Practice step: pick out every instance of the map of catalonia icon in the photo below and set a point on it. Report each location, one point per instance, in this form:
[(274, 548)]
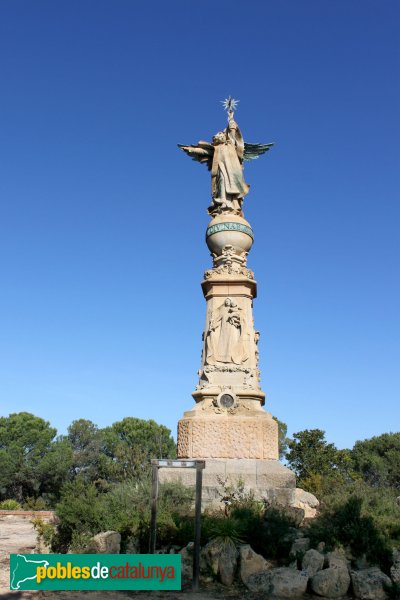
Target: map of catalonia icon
[(23, 570)]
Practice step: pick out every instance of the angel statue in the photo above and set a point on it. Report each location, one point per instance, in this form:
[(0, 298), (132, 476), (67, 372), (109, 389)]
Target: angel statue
[(224, 158)]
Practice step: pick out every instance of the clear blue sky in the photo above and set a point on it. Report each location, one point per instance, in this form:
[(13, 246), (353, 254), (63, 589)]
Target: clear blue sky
[(102, 218)]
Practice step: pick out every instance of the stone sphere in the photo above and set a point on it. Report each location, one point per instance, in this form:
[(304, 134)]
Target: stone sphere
[(227, 229)]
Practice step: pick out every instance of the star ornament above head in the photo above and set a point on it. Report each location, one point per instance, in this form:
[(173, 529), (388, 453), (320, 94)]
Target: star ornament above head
[(230, 104)]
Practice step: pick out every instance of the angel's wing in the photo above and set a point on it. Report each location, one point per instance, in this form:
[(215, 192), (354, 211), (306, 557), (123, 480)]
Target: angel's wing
[(252, 151), (201, 153)]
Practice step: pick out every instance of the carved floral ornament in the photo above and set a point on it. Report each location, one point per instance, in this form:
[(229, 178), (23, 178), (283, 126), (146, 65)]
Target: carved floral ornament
[(226, 270), (229, 263)]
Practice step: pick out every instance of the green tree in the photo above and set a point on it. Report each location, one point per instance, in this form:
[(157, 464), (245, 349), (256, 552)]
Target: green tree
[(132, 443), (283, 440), (89, 458), (378, 460), (26, 447), (54, 469), (316, 463)]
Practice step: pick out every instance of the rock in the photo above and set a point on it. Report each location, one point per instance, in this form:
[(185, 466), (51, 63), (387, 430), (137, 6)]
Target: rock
[(313, 561), (395, 569), (255, 571), (259, 582), (222, 560), (296, 514), (211, 553), (308, 502), (336, 559), (361, 563), (107, 542), (299, 547), (187, 562), (228, 564), (288, 583), (369, 584), (132, 545), (251, 562), (332, 582)]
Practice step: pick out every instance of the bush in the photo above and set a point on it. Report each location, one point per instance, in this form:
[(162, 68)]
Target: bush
[(344, 524), (322, 485), (10, 504), (267, 528), (175, 517), (377, 503), (32, 503), (84, 510), (80, 510), (79, 541), (45, 531), (227, 531), (275, 537)]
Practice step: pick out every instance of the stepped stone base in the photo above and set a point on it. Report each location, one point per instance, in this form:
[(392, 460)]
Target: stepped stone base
[(267, 479)]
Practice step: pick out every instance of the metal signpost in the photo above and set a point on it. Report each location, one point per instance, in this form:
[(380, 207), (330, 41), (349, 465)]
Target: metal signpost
[(199, 465)]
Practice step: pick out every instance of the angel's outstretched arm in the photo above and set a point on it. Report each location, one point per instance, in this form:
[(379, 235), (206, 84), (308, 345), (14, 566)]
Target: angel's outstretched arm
[(194, 150), (202, 153)]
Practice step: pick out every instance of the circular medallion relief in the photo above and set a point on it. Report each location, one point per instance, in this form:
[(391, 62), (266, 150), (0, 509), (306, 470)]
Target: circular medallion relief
[(226, 400)]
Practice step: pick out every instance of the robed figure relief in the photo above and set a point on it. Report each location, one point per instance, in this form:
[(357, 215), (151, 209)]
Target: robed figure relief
[(224, 157), (224, 341)]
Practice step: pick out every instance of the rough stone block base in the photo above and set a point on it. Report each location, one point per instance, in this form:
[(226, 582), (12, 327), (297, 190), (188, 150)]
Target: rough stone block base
[(253, 435), (267, 479)]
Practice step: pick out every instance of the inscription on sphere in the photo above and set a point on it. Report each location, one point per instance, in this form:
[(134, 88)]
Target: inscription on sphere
[(229, 227)]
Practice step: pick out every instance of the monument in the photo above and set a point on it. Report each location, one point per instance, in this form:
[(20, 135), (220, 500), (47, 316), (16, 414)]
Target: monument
[(228, 426)]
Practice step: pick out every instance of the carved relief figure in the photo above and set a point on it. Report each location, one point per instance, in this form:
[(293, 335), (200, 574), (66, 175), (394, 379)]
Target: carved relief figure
[(256, 340), (224, 158), (225, 336)]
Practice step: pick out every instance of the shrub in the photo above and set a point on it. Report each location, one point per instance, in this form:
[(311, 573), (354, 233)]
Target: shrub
[(227, 531), (322, 485), (45, 531), (80, 510), (32, 503), (185, 529), (377, 503), (10, 504), (175, 522), (344, 524), (275, 537), (79, 541), (84, 511)]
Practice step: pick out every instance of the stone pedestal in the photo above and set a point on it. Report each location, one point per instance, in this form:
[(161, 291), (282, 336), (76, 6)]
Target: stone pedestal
[(245, 431), (228, 426), (266, 479)]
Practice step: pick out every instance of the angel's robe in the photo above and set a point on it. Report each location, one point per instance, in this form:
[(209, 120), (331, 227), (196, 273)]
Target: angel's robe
[(226, 169)]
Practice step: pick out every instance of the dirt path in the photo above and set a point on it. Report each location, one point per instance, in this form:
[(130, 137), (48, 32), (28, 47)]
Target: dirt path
[(16, 535)]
